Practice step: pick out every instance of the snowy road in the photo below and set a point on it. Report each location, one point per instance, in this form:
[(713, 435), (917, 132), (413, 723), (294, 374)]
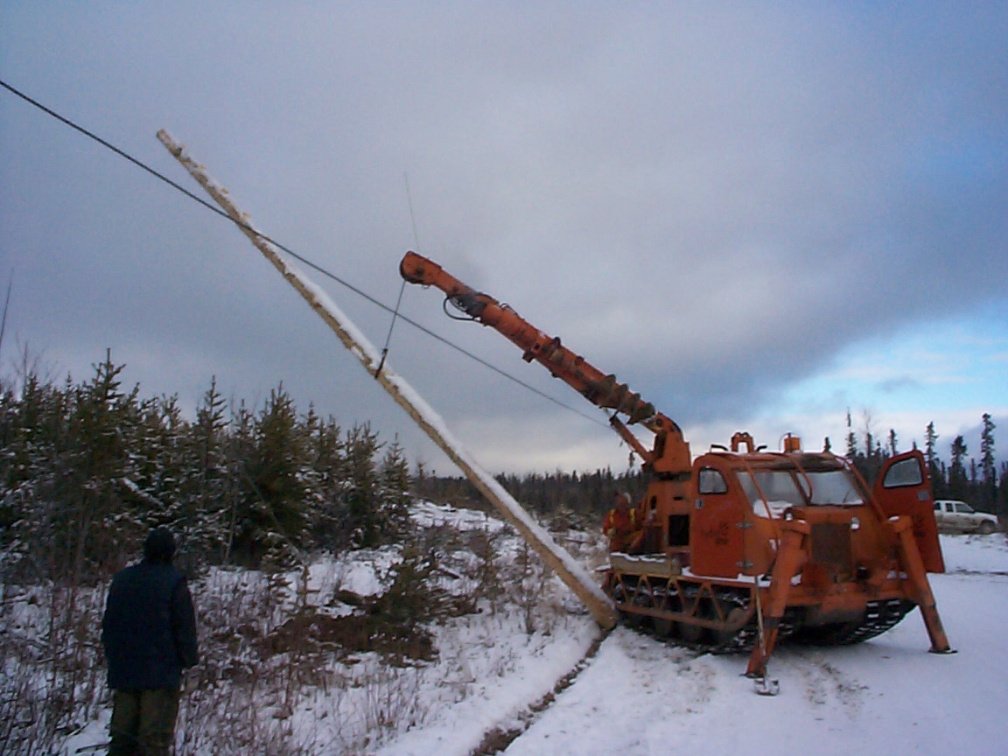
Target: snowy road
[(887, 696)]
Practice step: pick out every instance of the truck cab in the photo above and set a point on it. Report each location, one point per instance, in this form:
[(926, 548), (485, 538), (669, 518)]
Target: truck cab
[(742, 499)]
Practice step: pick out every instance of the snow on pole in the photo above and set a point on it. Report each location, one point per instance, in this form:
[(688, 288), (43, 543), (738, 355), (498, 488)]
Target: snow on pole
[(569, 570)]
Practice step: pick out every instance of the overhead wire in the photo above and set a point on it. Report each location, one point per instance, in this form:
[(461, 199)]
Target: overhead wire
[(305, 261)]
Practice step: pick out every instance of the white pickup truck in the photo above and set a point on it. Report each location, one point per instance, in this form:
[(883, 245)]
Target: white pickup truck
[(959, 517)]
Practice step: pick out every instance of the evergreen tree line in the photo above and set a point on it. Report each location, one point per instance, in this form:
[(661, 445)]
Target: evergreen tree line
[(981, 484), (87, 468), (586, 495)]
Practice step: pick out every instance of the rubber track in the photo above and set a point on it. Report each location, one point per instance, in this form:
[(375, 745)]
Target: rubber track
[(880, 616)]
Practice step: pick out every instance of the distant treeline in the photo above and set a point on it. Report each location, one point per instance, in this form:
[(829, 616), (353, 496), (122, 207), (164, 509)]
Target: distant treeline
[(585, 496), (981, 484), (87, 468)]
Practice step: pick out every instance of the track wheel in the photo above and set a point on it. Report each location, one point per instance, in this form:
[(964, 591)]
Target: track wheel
[(688, 631), (722, 637), (643, 599), (662, 627)]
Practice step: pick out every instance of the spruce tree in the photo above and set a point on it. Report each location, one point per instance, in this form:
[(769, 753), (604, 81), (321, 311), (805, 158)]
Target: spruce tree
[(276, 517), (361, 496), (958, 484), (239, 546), (206, 487), (988, 484), (93, 530), (395, 492), (938, 488), (329, 473), (851, 438)]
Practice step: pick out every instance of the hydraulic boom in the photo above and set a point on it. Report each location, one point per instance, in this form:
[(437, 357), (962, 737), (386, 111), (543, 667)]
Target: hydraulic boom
[(670, 454)]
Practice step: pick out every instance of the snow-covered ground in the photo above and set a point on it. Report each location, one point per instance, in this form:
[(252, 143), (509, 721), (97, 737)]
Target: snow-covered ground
[(886, 696), (493, 682), (641, 697)]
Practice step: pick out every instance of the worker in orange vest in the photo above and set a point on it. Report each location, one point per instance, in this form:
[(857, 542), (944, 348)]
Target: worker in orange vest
[(621, 526)]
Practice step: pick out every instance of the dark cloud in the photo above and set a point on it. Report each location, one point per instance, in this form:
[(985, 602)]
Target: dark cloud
[(711, 201)]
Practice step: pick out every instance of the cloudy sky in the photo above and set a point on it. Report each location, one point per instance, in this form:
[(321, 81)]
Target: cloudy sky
[(758, 215)]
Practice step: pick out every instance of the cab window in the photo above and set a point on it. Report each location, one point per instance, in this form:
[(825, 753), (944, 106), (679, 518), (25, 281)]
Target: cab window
[(834, 487), (906, 472), (777, 486), (711, 481)]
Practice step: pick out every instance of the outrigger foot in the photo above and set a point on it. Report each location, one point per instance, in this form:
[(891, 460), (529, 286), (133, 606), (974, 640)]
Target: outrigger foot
[(766, 686)]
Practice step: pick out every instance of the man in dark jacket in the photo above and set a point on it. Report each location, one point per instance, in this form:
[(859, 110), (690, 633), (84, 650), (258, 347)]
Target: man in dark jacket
[(149, 636)]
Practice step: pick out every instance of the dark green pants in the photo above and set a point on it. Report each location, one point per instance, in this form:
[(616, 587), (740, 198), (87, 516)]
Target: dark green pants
[(143, 722)]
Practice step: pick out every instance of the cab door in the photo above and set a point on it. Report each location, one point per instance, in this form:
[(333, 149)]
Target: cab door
[(903, 488), (716, 526)]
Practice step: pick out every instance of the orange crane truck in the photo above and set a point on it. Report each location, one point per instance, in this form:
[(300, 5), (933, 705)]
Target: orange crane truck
[(743, 547)]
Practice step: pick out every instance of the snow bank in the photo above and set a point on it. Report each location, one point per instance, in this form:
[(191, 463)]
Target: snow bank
[(428, 514), (975, 553)]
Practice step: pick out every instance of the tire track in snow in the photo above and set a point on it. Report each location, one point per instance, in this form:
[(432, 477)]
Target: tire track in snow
[(825, 682), (654, 660), (498, 739), (978, 573)]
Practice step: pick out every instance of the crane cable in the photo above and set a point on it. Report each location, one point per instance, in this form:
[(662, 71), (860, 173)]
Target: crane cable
[(314, 266), (402, 288), (388, 338)]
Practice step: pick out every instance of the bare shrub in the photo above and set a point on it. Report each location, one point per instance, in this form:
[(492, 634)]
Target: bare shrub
[(53, 675), (289, 660)]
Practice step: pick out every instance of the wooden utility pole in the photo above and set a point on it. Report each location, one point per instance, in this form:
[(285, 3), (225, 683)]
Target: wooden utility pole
[(569, 570)]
